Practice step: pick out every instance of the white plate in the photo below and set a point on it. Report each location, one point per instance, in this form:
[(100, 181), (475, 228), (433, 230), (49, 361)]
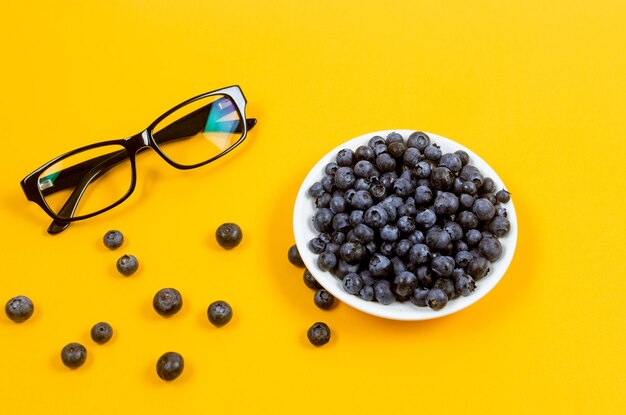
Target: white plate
[(304, 231)]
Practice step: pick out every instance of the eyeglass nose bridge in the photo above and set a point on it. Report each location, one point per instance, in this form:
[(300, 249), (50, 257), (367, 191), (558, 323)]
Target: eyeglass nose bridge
[(140, 141)]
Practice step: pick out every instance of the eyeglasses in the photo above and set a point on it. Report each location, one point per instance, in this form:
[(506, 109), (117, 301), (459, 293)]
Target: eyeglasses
[(84, 183)]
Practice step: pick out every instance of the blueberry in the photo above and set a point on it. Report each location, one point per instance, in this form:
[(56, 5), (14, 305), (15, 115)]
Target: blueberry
[(469, 188), (387, 249), (228, 235), (404, 283), (423, 195), (394, 138), (396, 149), (364, 233), (490, 197), (403, 187), (503, 196), (403, 247), (385, 162), (318, 334), (364, 153), (468, 220), (376, 217), (471, 173), (367, 293), (349, 194), (423, 169), (455, 230), (127, 265), (447, 286), (499, 226), (461, 246), (332, 247), (345, 158), (462, 258), (170, 366), (375, 141), (344, 268), (426, 218), (432, 152), (325, 237), (436, 299), (442, 265), (326, 261), (464, 285), (364, 169), (446, 204), (362, 200), (419, 297), (316, 246), (473, 237), (310, 281), (501, 211), (378, 191), (323, 299), (367, 277), (73, 355), (352, 252), (451, 161), (294, 256), (398, 266), (490, 248), (383, 293), (488, 186), (331, 169), (437, 238), (219, 313), (418, 140), (19, 309), (379, 265), (353, 283), (344, 178), (424, 276), (457, 186), (478, 267), (466, 201), (113, 239), (361, 184), (484, 209), (389, 233), (463, 156), (316, 189), (323, 201), (417, 237), (441, 178), (341, 222), (419, 254), (380, 149), (337, 204), (411, 157), (101, 332), (338, 237), (167, 302)]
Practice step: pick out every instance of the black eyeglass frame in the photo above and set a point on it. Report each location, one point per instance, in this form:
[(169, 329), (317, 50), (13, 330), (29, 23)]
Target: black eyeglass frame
[(132, 145)]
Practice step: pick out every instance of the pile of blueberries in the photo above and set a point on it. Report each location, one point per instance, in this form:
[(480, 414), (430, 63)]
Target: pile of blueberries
[(398, 220)]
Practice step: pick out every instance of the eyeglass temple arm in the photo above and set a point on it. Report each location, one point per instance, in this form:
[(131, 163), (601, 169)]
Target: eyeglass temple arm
[(72, 175)]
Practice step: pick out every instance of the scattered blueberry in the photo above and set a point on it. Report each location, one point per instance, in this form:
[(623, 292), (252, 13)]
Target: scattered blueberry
[(219, 313), (228, 235), (73, 355), (323, 299), (294, 256), (113, 239), (318, 334), (19, 309), (101, 332), (170, 366), (167, 302), (127, 265)]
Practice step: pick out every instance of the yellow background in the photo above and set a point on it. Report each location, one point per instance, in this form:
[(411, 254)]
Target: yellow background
[(537, 88)]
